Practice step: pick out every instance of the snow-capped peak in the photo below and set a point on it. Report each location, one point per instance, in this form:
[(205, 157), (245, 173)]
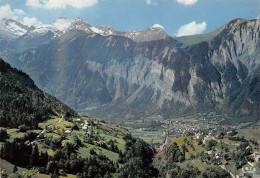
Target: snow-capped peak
[(58, 27), (79, 20), (158, 26), (62, 24), (79, 24)]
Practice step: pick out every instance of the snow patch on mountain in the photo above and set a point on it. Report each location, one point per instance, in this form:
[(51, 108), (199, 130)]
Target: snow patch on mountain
[(11, 28), (62, 24), (97, 30), (41, 29), (58, 27), (16, 29), (103, 30)]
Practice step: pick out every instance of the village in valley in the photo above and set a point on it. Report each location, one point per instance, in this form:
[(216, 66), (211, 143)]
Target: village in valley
[(240, 157), (226, 150), (209, 140)]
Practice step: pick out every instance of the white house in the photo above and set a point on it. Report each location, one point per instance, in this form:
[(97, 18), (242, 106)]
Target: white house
[(257, 157), (87, 133), (67, 133), (241, 175), (85, 128), (218, 153), (197, 135), (208, 138)]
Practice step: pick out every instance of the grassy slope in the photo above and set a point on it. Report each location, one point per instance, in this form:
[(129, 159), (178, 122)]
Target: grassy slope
[(250, 134), (180, 141), (84, 152), (106, 131), (198, 149), (49, 122), (197, 163), (194, 39), (152, 137), (9, 167)]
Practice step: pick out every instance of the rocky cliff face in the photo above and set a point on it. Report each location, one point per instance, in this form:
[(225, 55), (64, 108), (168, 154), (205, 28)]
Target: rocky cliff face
[(235, 53), (145, 76)]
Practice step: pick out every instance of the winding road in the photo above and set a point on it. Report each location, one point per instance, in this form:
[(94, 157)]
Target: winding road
[(165, 142), (43, 131)]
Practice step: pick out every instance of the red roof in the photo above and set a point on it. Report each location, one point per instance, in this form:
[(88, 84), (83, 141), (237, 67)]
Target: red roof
[(197, 135), (224, 162)]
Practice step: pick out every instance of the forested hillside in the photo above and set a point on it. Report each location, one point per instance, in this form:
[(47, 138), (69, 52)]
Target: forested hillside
[(22, 103)]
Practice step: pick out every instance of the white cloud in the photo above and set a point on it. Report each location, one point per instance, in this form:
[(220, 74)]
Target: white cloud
[(33, 3), (192, 29), (258, 17), (19, 11), (187, 2), (30, 21), (149, 2), (56, 4), (158, 26), (7, 12)]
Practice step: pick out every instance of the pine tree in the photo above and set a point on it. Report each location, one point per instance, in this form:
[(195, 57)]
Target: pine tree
[(44, 159), (15, 169), (34, 156), (51, 166)]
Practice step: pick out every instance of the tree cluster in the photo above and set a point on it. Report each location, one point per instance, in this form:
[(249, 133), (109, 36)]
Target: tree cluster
[(3, 135), (173, 170), (64, 160), (215, 173), (174, 154), (137, 159), (30, 157)]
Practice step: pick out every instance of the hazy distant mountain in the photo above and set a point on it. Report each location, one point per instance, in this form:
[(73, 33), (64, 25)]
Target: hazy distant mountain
[(141, 73)]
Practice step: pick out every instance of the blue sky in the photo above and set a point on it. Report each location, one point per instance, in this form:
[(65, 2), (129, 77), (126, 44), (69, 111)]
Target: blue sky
[(178, 17)]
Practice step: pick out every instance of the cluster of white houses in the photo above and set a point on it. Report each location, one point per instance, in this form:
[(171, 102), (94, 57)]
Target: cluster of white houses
[(85, 127), (257, 157), (205, 138)]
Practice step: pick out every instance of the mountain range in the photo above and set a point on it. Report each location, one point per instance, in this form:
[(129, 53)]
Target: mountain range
[(107, 73)]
